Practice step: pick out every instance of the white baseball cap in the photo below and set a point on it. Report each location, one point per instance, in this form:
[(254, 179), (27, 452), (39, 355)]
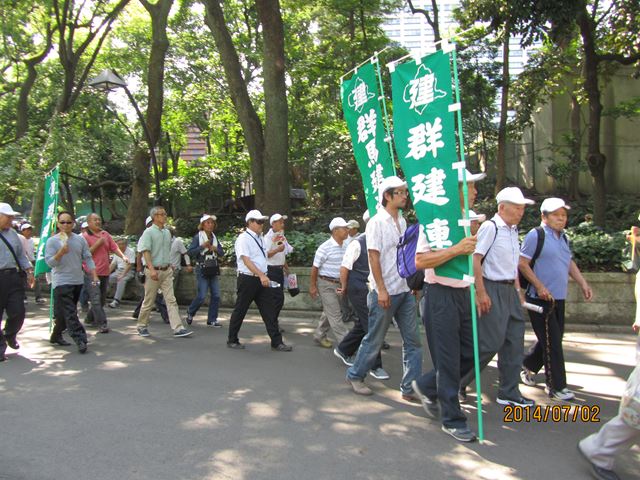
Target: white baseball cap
[(86, 225), (366, 216), (5, 209), (206, 217), (147, 221), (388, 184), (337, 223), (353, 224), (275, 217), (513, 195), (255, 215), (480, 217), (470, 177), (24, 226), (552, 204)]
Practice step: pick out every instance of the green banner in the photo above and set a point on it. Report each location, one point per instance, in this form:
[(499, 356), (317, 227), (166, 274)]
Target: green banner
[(425, 139), (362, 113), (48, 218)]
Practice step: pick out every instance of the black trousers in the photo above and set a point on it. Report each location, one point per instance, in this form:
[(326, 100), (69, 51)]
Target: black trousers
[(11, 302), (447, 317), (65, 299), (357, 294), (249, 289), (548, 354), (97, 313), (277, 275)]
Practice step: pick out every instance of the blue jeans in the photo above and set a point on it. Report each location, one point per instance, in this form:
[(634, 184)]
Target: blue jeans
[(206, 284), (403, 309)]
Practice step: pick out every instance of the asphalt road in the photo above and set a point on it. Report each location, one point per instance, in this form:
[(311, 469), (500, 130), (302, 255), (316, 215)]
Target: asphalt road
[(190, 408)]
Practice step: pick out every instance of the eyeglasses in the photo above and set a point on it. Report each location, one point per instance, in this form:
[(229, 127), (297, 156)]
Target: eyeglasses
[(259, 222), (404, 193), (65, 223), (163, 214)]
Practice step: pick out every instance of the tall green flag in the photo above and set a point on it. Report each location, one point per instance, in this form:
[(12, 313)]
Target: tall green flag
[(371, 145), (425, 139), (48, 219)]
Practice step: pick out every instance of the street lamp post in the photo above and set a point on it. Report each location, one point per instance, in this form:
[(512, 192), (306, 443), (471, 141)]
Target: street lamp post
[(109, 80)]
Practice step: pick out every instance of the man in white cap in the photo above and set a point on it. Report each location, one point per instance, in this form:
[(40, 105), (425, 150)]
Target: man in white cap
[(277, 250), (155, 246), (354, 229), (13, 266), (390, 296), (325, 281), (254, 285), (26, 237), (498, 296), (545, 261), (446, 315)]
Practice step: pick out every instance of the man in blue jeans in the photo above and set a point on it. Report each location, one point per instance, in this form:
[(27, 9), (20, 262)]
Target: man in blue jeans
[(389, 296)]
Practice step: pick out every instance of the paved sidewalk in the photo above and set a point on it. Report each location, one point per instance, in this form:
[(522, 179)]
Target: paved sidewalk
[(190, 408)]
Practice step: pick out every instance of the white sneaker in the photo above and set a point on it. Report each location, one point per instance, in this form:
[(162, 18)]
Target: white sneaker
[(114, 304), (565, 394), (528, 377), (379, 373)]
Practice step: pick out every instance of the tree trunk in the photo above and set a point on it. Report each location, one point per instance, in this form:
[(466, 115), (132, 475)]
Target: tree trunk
[(595, 158), (576, 147), (432, 19), (276, 133), (139, 204), (504, 106), (247, 116)]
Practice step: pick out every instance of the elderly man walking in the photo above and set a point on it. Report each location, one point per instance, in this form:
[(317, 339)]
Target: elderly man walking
[(254, 285), (389, 296), (13, 265), (101, 245), (325, 281), (155, 246), (499, 298)]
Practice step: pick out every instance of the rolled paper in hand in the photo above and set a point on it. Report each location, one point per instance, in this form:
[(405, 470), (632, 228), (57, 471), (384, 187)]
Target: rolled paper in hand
[(64, 237), (533, 307)]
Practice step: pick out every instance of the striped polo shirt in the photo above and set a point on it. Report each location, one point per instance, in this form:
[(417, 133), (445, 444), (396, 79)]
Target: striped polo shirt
[(329, 258)]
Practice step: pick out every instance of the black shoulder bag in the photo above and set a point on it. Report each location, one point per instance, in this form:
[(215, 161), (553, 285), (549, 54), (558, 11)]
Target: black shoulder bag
[(15, 257)]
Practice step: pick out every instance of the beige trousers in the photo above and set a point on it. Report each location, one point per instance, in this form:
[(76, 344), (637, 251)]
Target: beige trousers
[(151, 287)]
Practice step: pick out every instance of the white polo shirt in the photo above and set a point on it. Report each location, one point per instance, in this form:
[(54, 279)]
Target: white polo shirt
[(251, 245), (277, 259), (383, 235), (501, 261)]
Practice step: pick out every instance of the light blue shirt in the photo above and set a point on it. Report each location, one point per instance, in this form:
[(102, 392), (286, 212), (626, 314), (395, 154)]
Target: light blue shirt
[(68, 270), (157, 241), (6, 257), (500, 256), (552, 265)]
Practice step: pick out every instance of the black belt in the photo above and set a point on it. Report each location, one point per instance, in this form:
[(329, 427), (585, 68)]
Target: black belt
[(9, 270), (280, 267), (330, 279), (504, 282), (161, 268), (247, 274)]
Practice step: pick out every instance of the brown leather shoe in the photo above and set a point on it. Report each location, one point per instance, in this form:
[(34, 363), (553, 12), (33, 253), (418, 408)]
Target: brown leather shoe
[(323, 342)]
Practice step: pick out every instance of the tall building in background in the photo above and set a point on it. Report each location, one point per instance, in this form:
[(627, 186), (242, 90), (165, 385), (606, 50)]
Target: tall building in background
[(414, 33)]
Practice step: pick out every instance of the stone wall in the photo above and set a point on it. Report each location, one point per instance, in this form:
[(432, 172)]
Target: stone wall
[(613, 302)]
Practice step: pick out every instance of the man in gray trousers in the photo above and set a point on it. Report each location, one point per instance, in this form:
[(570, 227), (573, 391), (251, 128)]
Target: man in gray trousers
[(498, 296)]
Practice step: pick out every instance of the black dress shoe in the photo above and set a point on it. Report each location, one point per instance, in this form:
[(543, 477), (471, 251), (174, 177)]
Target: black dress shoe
[(282, 348), (13, 342), (3, 357), (82, 346), (385, 346), (104, 330), (235, 345), (59, 341)]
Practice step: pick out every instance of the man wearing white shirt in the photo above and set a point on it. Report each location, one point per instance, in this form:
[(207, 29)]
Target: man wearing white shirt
[(389, 296), (121, 271), (253, 284), (277, 250), (26, 237), (325, 281)]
